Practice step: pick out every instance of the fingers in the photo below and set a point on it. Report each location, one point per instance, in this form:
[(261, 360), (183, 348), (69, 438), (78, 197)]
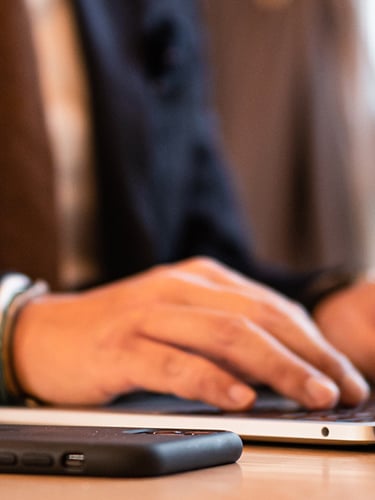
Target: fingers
[(299, 334), (162, 368), (241, 348), (290, 325)]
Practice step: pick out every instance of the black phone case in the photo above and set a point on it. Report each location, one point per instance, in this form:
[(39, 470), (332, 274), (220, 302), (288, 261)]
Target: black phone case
[(112, 451)]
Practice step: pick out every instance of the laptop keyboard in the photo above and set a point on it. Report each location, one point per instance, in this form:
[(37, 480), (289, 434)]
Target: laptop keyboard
[(272, 406), (268, 405)]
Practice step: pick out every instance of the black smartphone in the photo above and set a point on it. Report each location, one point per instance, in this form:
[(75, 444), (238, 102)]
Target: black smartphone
[(112, 451)]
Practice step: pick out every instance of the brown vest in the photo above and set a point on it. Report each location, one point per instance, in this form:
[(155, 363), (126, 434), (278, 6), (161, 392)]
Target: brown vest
[(28, 235)]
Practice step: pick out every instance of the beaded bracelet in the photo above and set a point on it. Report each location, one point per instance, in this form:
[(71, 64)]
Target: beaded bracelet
[(16, 290)]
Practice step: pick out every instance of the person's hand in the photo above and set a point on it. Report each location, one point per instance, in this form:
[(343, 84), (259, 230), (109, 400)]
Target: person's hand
[(347, 319), (195, 329)]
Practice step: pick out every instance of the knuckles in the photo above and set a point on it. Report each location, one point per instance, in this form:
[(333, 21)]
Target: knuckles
[(185, 377), (334, 366), (229, 330), (203, 262)]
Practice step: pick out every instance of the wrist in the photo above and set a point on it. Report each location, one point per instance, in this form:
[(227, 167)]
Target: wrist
[(325, 284), (16, 291)]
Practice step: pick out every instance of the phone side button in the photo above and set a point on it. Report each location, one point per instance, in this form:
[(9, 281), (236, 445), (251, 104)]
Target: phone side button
[(7, 458), (37, 459)]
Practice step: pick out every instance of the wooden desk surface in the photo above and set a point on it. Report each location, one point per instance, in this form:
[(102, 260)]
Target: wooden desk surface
[(262, 473)]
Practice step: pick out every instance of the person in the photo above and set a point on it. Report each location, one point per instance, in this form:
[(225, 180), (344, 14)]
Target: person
[(178, 305)]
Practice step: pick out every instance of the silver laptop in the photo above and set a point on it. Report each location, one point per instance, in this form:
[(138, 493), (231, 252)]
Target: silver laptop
[(273, 419)]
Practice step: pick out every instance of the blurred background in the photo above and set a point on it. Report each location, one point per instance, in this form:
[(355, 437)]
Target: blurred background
[(293, 84)]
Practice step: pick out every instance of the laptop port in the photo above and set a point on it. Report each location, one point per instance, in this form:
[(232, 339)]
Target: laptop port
[(325, 431)]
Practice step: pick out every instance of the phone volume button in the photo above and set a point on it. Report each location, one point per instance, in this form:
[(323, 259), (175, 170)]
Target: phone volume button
[(37, 459), (7, 458)]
